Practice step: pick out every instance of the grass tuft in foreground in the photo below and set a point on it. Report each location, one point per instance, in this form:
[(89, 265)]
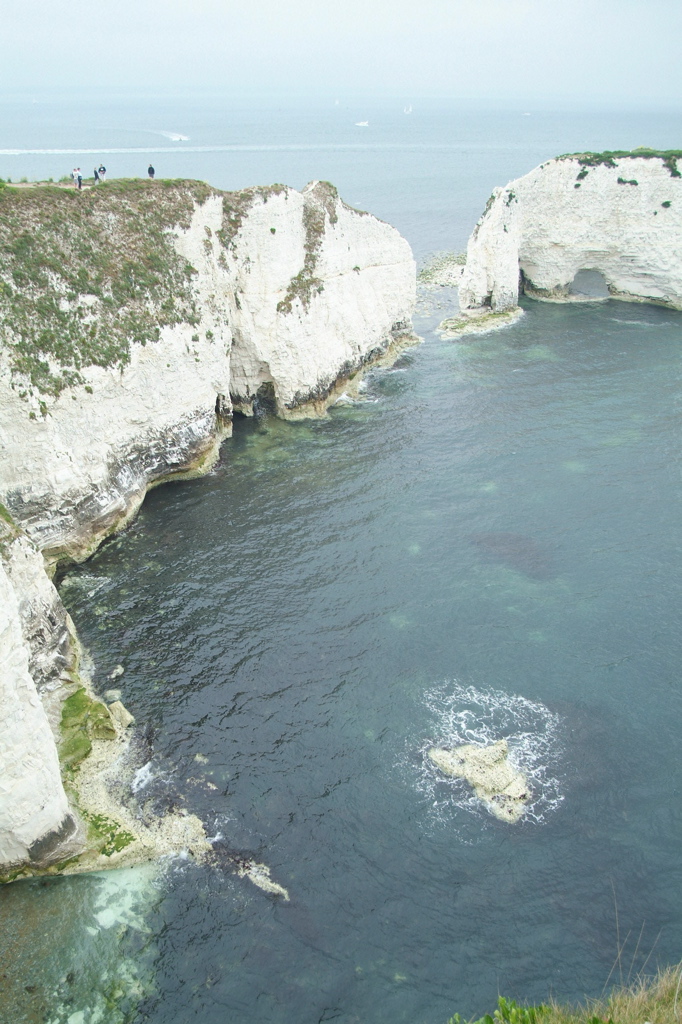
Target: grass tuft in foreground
[(656, 1000)]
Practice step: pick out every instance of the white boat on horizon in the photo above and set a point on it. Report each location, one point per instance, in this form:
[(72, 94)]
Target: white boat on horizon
[(362, 124)]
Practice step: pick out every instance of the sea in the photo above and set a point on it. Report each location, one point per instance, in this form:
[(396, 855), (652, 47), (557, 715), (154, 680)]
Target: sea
[(483, 544)]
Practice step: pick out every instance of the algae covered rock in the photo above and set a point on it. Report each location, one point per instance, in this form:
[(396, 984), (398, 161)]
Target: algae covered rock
[(82, 720), (504, 788)]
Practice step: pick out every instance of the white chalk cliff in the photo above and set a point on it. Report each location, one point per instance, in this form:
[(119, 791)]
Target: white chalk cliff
[(617, 214), (35, 818), (114, 379)]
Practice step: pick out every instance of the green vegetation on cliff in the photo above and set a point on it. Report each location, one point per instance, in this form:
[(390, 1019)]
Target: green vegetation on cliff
[(4, 514), (609, 158), (83, 719), (105, 835), (236, 206), (320, 204), (8, 531), (83, 275)]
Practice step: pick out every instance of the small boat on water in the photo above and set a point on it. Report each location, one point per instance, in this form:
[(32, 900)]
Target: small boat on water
[(407, 109), (362, 124)]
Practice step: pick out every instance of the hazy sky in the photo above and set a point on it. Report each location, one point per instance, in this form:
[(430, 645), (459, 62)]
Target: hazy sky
[(599, 51)]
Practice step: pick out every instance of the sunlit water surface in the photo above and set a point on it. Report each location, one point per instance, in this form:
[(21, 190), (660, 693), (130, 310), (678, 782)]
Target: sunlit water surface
[(487, 544)]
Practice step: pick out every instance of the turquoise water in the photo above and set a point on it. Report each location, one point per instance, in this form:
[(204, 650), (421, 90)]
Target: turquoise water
[(487, 544)]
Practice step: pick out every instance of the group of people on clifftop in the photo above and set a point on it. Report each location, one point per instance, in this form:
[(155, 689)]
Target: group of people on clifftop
[(99, 174)]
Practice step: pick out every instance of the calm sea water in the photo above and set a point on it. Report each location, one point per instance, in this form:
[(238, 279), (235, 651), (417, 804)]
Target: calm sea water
[(487, 544)]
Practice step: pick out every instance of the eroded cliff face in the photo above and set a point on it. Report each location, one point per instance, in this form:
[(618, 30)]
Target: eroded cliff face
[(617, 214), (133, 319)]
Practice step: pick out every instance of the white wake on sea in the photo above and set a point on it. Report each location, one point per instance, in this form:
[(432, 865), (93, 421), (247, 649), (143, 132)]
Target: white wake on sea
[(173, 136)]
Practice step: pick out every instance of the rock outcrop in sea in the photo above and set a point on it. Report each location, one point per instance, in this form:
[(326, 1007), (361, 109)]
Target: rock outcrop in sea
[(501, 786), (135, 319), (578, 228)]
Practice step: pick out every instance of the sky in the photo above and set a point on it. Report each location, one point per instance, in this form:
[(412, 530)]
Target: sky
[(595, 52)]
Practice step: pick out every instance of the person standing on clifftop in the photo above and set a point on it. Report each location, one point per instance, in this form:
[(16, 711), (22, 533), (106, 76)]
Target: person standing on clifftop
[(96, 176), (102, 171), (150, 171), (79, 179)]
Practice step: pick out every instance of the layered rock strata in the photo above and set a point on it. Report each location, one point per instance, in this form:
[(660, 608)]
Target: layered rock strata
[(134, 320), (617, 215)]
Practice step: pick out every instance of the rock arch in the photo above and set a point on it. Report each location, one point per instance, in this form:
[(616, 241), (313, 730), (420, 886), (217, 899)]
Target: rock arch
[(574, 229)]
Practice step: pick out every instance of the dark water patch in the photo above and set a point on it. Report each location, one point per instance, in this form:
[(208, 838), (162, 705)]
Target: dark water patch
[(521, 553)]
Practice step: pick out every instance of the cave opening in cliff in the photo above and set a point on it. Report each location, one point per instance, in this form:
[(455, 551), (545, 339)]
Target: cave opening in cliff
[(589, 284), (265, 400)]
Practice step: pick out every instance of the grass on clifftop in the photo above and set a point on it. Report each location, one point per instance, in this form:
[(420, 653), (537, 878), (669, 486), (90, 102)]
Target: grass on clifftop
[(655, 1000), (609, 157), (83, 275)]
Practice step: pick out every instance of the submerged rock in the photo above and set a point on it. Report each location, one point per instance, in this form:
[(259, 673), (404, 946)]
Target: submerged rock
[(518, 552), (502, 787), (260, 876)]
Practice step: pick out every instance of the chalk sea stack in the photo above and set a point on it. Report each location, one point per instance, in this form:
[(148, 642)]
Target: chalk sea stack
[(581, 227)]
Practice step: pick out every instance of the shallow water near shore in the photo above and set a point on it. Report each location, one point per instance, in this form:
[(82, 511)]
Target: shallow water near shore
[(486, 544)]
